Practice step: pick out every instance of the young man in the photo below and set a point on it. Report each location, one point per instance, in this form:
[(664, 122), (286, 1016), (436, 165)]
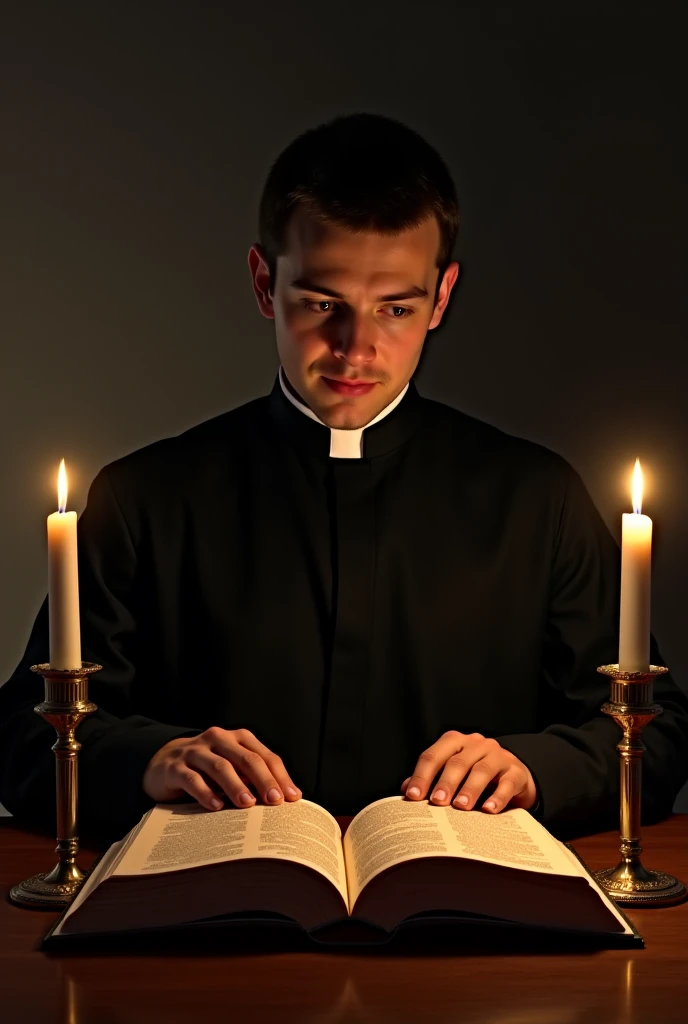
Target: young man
[(379, 589)]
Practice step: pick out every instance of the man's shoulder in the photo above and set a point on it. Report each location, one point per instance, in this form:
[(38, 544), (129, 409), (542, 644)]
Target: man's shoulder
[(483, 442), (196, 449)]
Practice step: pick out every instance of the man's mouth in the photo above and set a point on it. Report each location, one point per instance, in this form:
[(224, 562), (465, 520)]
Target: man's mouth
[(349, 388)]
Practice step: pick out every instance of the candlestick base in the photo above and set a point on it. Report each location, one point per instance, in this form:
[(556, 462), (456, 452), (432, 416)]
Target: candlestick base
[(635, 886), (631, 705), (66, 704), (49, 890)]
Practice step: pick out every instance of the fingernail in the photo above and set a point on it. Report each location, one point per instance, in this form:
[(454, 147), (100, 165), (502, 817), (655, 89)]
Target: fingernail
[(290, 790), (463, 800), (215, 803), (413, 791), (245, 799), (274, 795), (490, 804), (439, 794)]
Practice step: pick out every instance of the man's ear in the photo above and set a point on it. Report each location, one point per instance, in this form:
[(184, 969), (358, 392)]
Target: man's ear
[(260, 278), (448, 281)]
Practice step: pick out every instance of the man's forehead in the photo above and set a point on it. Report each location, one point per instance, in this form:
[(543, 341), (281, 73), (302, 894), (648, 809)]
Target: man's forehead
[(317, 250)]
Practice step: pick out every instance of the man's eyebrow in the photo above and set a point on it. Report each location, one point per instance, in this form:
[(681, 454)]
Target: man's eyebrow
[(306, 285)]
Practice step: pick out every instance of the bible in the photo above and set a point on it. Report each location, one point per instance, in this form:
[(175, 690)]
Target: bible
[(398, 862)]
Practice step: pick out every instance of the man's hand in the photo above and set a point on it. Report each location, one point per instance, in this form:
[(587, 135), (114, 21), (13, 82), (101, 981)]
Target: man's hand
[(218, 761), (477, 760)]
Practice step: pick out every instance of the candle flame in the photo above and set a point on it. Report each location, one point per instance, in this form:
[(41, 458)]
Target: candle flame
[(62, 488), (637, 488)]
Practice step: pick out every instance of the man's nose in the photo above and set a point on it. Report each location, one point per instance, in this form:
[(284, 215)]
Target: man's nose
[(355, 340)]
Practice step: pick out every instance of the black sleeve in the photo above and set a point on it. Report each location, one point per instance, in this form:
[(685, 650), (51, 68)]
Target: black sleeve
[(574, 759), (116, 747)]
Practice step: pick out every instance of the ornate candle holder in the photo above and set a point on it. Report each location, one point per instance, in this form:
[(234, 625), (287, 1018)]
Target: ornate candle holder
[(66, 704), (631, 705)]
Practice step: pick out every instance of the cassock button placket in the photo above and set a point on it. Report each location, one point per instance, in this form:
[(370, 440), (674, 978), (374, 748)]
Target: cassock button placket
[(351, 483), (354, 531)]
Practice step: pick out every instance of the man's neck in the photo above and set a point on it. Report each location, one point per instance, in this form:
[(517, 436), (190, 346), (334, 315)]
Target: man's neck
[(344, 444)]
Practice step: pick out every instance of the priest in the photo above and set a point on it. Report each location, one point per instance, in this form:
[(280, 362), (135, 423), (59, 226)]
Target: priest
[(343, 590)]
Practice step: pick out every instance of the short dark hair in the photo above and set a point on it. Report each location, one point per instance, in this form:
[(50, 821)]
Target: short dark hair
[(362, 171)]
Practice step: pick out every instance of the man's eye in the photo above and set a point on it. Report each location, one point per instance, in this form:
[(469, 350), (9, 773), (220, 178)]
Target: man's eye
[(310, 303), (315, 306)]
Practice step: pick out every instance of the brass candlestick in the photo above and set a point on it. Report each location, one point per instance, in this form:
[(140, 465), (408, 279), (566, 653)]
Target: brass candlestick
[(66, 704), (631, 705)]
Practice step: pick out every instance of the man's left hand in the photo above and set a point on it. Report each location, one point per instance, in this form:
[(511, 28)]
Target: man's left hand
[(471, 762)]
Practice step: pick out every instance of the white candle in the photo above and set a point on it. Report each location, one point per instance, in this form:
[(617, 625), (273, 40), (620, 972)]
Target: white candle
[(63, 582), (636, 547)]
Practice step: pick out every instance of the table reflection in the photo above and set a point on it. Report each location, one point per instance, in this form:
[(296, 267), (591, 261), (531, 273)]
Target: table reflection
[(327, 989)]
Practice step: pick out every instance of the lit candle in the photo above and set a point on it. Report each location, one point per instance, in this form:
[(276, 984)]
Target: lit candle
[(636, 546), (63, 582)]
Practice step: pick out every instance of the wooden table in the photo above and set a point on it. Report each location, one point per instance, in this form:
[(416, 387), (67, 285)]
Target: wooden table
[(323, 987)]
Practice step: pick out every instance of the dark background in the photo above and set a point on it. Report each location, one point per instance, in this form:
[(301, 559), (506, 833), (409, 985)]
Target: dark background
[(135, 141)]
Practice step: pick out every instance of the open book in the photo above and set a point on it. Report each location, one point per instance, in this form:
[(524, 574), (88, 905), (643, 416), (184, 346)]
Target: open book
[(399, 860)]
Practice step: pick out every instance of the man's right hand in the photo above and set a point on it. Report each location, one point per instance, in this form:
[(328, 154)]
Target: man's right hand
[(224, 761)]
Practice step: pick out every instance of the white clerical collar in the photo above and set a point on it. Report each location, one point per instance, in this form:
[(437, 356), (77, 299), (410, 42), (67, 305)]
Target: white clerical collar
[(344, 444)]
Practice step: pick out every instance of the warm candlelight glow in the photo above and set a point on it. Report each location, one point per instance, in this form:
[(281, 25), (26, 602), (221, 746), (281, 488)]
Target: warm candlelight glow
[(637, 488), (636, 556), (63, 582), (62, 488)]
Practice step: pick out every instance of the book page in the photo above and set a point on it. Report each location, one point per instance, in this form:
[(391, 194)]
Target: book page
[(394, 829), (512, 838), (96, 875), (386, 832), (178, 836), (592, 881), (103, 869)]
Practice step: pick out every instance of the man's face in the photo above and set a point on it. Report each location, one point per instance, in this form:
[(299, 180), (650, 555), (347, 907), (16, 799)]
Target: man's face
[(351, 307)]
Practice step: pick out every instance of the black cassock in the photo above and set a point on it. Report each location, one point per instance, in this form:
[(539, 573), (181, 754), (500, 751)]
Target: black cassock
[(348, 611)]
